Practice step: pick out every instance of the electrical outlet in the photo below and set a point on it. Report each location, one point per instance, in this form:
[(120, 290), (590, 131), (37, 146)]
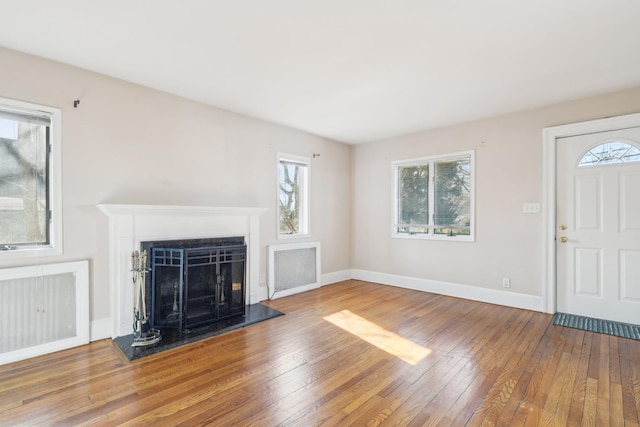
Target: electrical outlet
[(506, 282), (263, 279)]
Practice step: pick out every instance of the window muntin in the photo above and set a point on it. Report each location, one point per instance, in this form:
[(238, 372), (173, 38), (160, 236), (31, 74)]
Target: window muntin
[(293, 196), (434, 197), (29, 179), (611, 152)]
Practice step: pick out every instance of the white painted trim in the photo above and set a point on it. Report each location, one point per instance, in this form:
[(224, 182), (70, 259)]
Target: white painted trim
[(55, 184), (326, 279), (432, 160), (177, 210), (80, 270), (336, 277), (550, 136), (272, 249), (305, 212), (129, 225), (101, 329), (474, 293), (293, 291)]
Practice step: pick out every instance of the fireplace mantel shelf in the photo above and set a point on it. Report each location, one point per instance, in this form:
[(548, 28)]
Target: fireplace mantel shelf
[(110, 209)]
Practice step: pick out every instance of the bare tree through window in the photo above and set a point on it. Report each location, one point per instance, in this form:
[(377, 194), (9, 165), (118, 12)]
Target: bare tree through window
[(23, 180), (292, 197)]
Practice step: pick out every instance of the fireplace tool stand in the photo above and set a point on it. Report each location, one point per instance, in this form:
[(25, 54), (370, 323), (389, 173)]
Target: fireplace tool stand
[(143, 334)]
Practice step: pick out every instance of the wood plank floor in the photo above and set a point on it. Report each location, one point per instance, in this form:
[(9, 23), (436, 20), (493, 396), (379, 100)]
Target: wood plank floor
[(411, 358)]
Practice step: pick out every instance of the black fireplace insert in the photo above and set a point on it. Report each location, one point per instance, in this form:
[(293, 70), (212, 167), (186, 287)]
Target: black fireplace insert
[(195, 282)]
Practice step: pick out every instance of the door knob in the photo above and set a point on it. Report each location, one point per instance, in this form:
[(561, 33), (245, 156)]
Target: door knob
[(563, 226), (563, 239)]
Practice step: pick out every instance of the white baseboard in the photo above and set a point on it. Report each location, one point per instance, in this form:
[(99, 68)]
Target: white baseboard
[(293, 291), (493, 296), (100, 329), (262, 294), (325, 279), (335, 277)]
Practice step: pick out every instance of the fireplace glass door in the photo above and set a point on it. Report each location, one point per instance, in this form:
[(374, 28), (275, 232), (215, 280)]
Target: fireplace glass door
[(197, 286), (166, 295)]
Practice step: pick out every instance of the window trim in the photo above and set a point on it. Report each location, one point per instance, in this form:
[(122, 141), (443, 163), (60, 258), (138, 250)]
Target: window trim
[(431, 160), (54, 247), (305, 205)]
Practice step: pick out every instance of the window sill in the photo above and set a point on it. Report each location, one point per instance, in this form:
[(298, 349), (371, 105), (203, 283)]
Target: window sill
[(439, 238), (29, 252), (293, 236)]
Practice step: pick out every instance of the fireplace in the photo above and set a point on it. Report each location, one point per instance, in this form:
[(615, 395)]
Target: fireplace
[(129, 225), (195, 282)]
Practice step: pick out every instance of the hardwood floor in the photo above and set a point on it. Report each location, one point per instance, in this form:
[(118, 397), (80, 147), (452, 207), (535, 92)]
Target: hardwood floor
[(419, 359)]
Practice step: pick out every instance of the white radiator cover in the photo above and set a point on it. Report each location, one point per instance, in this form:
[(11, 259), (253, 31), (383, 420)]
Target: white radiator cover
[(293, 268), (43, 308)]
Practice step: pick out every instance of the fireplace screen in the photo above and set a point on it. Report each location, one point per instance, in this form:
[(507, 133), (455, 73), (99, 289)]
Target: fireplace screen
[(195, 286)]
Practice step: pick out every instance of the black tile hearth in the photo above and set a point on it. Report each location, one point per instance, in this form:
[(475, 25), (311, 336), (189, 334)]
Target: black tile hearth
[(172, 338)]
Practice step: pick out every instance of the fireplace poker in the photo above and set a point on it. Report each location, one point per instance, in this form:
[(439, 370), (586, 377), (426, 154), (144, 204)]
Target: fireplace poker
[(143, 334), (173, 316)]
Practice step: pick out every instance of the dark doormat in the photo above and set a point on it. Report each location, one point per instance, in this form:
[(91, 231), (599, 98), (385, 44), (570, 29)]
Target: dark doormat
[(608, 327), (172, 338)]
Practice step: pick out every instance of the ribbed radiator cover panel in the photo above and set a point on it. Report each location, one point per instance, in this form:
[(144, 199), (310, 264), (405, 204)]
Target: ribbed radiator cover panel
[(43, 309), (37, 310)]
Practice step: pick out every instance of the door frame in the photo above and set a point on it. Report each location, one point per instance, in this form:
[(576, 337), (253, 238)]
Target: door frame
[(550, 137)]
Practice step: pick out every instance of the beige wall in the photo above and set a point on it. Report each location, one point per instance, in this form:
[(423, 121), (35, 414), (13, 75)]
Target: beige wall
[(130, 144), (508, 174)]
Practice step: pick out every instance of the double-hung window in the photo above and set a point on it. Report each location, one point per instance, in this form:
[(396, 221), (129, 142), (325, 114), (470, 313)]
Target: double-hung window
[(29, 179), (433, 197), (293, 196)]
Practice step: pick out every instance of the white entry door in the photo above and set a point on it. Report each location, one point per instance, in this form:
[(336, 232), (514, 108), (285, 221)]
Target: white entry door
[(598, 225)]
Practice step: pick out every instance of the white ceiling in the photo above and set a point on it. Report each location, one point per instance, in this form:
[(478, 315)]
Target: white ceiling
[(351, 70)]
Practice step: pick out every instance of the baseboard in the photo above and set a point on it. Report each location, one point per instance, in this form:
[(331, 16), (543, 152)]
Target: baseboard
[(293, 291), (325, 279), (100, 329), (335, 277), (493, 296), (260, 295)]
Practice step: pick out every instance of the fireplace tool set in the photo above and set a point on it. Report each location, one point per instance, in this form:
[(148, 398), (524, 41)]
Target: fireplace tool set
[(143, 334)]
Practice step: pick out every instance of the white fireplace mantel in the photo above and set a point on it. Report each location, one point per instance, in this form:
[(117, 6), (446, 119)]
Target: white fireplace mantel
[(129, 225)]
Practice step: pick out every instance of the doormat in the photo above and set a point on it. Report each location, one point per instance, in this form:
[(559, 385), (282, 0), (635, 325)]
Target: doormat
[(172, 338), (617, 329)]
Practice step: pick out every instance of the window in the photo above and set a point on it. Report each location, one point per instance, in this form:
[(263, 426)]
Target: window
[(293, 196), (29, 183), (433, 197), (611, 152)]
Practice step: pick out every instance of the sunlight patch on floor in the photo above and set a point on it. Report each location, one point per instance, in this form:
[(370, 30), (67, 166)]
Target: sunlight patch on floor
[(385, 340)]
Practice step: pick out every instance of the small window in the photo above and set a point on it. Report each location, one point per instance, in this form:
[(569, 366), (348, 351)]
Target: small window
[(29, 196), (293, 196), (433, 197), (611, 152)]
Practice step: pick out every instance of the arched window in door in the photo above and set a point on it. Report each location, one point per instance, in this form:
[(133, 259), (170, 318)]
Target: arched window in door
[(611, 152)]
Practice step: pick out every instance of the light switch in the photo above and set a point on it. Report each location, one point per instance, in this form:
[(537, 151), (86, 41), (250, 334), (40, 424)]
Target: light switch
[(531, 208)]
